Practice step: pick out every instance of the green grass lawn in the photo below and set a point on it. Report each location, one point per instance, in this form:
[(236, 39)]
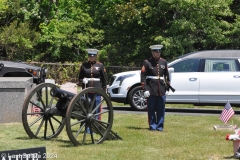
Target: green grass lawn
[(183, 138), (181, 106)]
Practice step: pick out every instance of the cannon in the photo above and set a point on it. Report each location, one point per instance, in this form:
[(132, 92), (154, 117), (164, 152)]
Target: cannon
[(47, 109)]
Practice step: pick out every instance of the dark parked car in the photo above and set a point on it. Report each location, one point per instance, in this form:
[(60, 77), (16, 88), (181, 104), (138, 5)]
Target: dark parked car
[(20, 69)]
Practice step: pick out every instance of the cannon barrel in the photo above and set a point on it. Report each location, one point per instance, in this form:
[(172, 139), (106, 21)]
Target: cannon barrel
[(62, 94), (64, 97)]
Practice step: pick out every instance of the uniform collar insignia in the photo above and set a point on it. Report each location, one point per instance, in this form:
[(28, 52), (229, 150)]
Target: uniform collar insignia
[(92, 62)]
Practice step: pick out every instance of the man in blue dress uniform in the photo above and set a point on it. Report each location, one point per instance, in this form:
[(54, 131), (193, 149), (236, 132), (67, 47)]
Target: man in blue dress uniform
[(154, 75)]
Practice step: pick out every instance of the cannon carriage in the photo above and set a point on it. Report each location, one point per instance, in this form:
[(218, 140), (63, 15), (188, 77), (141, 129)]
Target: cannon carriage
[(47, 109)]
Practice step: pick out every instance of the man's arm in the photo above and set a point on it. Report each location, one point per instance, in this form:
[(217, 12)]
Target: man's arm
[(103, 77), (144, 75), (167, 79)]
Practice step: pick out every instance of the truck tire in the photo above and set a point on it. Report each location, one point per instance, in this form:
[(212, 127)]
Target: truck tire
[(137, 100)]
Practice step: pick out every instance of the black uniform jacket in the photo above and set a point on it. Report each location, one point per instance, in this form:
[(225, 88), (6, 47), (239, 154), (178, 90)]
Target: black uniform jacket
[(93, 70), (154, 67)]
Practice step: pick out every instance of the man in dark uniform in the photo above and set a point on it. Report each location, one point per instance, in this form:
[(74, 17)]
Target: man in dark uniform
[(93, 74), (154, 75)]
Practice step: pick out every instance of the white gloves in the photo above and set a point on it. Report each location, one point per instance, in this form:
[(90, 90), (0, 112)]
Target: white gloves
[(146, 94), (85, 81)]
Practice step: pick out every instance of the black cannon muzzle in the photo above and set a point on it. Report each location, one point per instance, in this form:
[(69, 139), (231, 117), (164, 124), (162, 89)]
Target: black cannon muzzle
[(62, 94), (64, 98)]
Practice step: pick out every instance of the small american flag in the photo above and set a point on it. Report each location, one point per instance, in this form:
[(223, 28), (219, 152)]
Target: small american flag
[(227, 113)]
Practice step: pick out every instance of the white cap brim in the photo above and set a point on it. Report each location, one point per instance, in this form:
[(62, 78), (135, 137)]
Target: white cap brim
[(92, 51), (156, 47)]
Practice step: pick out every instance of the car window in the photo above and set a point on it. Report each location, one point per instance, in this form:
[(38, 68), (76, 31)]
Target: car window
[(188, 65), (220, 65)]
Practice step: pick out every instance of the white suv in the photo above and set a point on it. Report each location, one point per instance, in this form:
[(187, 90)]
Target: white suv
[(200, 78)]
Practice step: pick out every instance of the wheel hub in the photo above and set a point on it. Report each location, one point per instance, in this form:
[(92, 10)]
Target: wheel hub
[(89, 117), (142, 99), (47, 112)]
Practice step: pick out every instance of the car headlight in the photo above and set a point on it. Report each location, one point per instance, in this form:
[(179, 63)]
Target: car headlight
[(33, 72), (38, 73), (121, 78)]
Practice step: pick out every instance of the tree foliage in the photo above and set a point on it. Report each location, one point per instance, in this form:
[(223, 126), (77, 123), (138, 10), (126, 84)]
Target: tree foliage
[(181, 26), (19, 40), (122, 29), (69, 32)]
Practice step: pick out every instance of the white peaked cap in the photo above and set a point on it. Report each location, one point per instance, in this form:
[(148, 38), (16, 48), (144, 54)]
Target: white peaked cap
[(92, 51), (156, 47)]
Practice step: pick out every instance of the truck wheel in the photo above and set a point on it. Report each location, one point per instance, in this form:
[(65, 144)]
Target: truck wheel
[(136, 99)]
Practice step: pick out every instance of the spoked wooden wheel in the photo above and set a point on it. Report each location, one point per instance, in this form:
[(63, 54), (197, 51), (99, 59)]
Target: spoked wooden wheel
[(86, 123), (40, 117)]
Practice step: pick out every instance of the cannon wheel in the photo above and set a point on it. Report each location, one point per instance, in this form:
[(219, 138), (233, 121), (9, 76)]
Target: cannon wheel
[(83, 124), (38, 118)]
